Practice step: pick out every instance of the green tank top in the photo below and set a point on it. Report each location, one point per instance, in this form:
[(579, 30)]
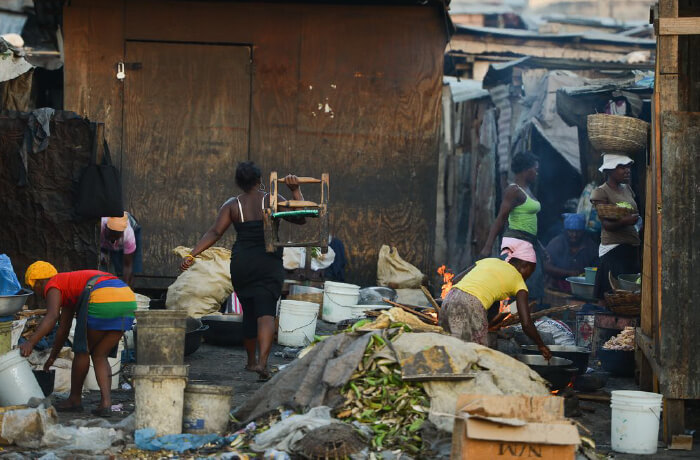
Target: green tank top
[(524, 217)]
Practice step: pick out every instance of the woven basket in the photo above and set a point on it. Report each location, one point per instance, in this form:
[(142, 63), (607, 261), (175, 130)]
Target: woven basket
[(627, 310), (622, 298), (615, 133), (612, 211)]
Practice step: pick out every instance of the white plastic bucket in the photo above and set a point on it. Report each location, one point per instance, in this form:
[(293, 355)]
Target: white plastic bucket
[(337, 300), (17, 382), (206, 409), (115, 365), (297, 324), (358, 311), (634, 423), (159, 393)]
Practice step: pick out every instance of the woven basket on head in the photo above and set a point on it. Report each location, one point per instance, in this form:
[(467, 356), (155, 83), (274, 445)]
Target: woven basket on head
[(612, 211), (616, 133)]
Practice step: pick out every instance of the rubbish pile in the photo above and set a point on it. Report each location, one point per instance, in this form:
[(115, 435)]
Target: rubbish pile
[(385, 381)]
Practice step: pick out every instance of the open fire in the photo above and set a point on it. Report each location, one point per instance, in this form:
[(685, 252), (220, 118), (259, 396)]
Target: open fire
[(446, 280)]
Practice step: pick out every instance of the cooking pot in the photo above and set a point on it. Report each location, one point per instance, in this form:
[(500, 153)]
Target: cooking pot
[(558, 371), (578, 355)]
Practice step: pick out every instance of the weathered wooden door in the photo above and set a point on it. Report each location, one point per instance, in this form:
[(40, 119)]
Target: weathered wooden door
[(186, 125)]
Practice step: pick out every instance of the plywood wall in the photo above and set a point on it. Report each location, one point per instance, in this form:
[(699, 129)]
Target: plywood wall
[(349, 90)]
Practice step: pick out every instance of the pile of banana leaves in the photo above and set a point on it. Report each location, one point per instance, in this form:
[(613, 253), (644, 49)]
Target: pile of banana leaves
[(377, 396)]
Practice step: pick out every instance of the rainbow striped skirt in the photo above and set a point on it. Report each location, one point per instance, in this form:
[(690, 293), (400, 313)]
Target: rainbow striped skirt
[(111, 306)]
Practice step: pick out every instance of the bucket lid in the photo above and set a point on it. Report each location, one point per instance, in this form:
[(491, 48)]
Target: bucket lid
[(299, 304), (145, 370), (221, 390), (336, 284), (635, 396)]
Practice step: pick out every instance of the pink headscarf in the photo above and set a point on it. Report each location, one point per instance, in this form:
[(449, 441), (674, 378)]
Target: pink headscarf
[(519, 249)]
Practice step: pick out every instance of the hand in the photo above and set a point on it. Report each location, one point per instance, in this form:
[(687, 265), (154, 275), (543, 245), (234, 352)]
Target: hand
[(545, 352), (187, 263), (26, 348), (292, 182), (49, 362)]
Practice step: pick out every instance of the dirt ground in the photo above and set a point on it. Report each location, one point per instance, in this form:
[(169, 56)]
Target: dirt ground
[(225, 366)]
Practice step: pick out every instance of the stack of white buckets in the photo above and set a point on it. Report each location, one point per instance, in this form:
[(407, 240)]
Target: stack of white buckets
[(164, 400), (297, 319)]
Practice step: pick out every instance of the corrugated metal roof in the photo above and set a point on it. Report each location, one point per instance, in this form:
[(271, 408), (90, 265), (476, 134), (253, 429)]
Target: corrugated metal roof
[(464, 90), (591, 36)]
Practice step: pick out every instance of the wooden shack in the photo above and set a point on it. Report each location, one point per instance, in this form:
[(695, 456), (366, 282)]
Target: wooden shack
[(348, 88), (668, 339)]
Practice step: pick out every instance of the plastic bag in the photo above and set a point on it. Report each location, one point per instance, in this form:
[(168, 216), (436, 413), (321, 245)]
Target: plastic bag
[(205, 286), (395, 272), (9, 284), (293, 258)]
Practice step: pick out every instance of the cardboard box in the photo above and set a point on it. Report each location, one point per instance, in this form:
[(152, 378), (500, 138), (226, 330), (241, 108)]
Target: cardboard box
[(513, 427)]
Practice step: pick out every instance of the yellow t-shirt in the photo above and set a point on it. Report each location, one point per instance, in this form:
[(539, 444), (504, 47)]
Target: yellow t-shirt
[(492, 280)]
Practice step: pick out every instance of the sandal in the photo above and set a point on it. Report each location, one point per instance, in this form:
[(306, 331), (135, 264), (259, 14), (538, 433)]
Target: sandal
[(67, 407), (101, 412)]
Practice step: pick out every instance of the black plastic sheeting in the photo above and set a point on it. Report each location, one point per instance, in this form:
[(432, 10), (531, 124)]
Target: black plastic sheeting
[(37, 221)]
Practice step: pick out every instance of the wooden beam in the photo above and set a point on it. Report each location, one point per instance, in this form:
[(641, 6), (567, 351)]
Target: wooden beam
[(667, 46), (674, 418), (679, 26)]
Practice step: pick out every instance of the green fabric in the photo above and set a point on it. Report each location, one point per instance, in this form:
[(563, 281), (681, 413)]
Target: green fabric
[(524, 217), (109, 310), (300, 213)]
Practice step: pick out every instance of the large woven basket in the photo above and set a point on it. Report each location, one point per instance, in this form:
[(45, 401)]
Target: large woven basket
[(616, 133), (622, 298), (612, 211)]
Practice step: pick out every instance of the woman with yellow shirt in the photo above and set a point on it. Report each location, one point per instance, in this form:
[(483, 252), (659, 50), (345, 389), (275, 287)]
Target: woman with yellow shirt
[(491, 280)]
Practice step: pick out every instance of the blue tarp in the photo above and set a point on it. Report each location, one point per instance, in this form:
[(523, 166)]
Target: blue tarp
[(146, 439)]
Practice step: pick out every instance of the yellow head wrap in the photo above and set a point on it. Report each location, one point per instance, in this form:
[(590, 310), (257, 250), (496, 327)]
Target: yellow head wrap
[(39, 270)]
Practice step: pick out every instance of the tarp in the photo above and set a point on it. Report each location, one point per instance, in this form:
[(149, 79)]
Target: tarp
[(316, 378), (540, 113)]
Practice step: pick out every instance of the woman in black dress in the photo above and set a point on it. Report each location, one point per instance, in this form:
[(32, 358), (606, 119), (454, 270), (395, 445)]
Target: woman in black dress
[(257, 275)]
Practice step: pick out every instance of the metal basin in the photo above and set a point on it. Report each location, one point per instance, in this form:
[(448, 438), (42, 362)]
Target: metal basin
[(224, 330), (629, 282), (580, 288), (578, 355), (558, 371), (374, 295), (11, 304)]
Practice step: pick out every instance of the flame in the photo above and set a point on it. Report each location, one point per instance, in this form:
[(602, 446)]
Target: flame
[(447, 280)]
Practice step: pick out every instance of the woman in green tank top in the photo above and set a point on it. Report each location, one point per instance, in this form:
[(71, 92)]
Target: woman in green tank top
[(519, 207)]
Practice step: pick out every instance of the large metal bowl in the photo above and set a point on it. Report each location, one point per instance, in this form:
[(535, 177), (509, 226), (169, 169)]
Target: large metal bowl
[(11, 304), (373, 295), (578, 355), (558, 371), (629, 282), (580, 288)]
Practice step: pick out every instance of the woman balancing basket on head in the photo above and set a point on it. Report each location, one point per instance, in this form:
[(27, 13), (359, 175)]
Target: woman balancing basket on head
[(256, 274), (104, 306)]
